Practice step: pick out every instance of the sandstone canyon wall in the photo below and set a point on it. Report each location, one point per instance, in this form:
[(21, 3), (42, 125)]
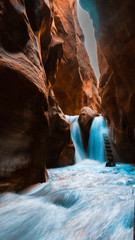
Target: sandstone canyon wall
[(60, 146), (75, 83), (35, 39), (24, 123), (115, 33)]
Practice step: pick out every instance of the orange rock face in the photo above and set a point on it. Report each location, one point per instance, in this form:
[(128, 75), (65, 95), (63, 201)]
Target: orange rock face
[(115, 33), (75, 84)]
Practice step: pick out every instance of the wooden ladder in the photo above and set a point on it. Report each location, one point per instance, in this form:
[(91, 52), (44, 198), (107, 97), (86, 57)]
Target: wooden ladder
[(110, 162)]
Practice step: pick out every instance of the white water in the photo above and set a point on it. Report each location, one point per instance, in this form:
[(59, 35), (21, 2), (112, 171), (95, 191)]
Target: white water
[(96, 149), (76, 137), (83, 202), (96, 141), (78, 203)]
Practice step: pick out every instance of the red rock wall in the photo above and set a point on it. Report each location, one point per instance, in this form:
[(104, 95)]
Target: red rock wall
[(75, 84), (115, 33)]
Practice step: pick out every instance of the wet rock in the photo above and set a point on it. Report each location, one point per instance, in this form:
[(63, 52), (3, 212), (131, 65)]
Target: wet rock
[(85, 119), (110, 164), (67, 155), (60, 146)]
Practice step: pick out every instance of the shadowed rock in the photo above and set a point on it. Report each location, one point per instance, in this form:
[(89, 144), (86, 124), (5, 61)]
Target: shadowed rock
[(115, 34), (23, 99), (60, 147)]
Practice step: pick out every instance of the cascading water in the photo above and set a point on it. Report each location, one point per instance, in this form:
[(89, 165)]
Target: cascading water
[(76, 137), (80, 202), (96, 142)]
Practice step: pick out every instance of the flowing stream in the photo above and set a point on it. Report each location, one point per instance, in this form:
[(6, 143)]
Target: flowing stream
[(86, 201)]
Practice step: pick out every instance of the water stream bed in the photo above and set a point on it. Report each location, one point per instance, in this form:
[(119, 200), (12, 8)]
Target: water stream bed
[(83, 202), (87, 201)]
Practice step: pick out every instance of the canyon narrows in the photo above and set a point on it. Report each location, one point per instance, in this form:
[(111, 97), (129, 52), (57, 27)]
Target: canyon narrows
[(54, 114)]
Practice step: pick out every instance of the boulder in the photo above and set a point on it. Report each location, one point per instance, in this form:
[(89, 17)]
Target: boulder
[(85, 119)]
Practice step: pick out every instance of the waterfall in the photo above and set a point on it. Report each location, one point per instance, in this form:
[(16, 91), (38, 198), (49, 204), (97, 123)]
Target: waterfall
[(79, 202), (96, 141), (76, 137), (96, 149)]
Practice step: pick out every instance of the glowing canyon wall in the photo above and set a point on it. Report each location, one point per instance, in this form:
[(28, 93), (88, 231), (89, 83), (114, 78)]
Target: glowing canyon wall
[(76, 84)]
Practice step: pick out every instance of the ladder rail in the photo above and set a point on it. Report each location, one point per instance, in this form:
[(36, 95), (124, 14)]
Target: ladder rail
[(110, 162)]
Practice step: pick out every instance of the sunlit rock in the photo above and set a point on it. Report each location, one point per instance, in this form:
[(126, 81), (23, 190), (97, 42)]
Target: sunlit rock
[(85, 119), (76, 84)]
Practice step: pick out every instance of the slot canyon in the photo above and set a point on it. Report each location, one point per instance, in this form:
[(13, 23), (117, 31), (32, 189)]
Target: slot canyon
[(67, 138)]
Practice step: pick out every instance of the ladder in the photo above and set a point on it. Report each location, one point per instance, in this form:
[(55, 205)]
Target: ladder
[(110, 162)]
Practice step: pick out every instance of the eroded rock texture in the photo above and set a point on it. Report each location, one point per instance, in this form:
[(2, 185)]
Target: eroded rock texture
[(23, 94), (75, 83), (60, 146), (115, 33), (41, 44)]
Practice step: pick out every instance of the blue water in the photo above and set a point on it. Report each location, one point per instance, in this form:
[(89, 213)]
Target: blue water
[(76, 137), (86, 201), (83, 202), (96, 149)]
